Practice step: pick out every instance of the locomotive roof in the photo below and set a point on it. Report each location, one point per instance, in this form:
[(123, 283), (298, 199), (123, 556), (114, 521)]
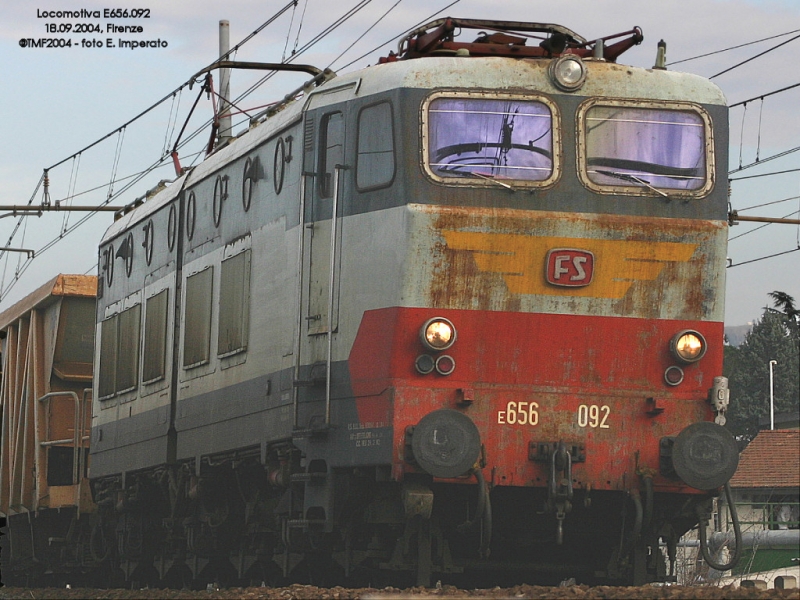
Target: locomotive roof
[(510, 75)]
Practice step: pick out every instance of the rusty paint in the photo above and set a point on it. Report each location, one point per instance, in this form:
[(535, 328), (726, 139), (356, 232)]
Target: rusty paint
[(560, 362), (494, 259), (520, 260)]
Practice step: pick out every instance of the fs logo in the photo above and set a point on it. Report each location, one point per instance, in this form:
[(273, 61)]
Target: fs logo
[(569, 267)]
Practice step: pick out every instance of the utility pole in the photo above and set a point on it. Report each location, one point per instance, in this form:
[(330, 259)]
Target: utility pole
[(772, 363)]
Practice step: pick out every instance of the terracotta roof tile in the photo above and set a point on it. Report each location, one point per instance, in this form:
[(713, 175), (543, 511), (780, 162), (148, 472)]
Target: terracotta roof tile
[(772, 460)]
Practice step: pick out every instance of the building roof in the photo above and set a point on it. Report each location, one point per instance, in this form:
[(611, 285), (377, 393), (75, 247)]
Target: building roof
[(772, 460)]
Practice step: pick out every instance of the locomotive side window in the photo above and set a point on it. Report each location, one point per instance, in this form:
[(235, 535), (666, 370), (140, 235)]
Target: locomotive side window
[(119, 352), (633, 149), (197, 328), (375, 157), (128, 354), (476, 139), (331, 152), (155, 337), (234, 304), (108, 357)]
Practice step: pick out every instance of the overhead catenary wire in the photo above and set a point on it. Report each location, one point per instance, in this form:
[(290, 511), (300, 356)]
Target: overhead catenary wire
[(361, 37), (73, 182), (289, 31), (335, 25), (762, 96), (406, 32), (129, 122), (769, 203), (300, 27), (172, 121), (772, 37), (160, 162), (762, 161), (744, 62), (747, 262), (764, 174), (178, 89), (289, 5)]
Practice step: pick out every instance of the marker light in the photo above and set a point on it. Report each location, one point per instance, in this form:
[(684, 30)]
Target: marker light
[(673, 375), (424, 364), (688, 346), (445, 364), (568, 73), (438, 334)]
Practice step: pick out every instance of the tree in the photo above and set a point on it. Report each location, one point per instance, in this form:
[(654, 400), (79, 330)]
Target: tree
[(776, 336)]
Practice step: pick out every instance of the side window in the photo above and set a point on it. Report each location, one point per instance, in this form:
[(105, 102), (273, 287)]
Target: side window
[(108, 357), (234, 304), (119, 352), (476, 139), (375, 162), (197, 325), (331, 152), (642, 149), (128, 354), (155, 337)]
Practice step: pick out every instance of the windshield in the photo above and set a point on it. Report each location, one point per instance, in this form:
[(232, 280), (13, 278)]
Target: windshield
[(472, 138), (645, 147)]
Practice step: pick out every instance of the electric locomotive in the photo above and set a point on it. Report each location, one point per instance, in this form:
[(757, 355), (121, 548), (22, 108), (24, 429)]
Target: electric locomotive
[(455, 315)]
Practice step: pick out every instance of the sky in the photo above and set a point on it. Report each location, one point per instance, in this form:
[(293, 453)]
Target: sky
[(59, 100)]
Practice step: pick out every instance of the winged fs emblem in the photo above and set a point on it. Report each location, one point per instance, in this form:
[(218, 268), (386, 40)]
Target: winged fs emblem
[(598, 268)]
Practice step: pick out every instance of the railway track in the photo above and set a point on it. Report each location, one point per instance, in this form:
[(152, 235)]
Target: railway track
[(310, 592)]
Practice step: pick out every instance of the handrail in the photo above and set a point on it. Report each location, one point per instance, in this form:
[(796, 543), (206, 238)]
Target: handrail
[(332, 288), (299, 295), (87, 392), (767, 509), (77, 431)]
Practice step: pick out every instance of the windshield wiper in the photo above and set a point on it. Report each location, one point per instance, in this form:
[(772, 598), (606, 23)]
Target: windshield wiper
[(634, 179), (493, 180)]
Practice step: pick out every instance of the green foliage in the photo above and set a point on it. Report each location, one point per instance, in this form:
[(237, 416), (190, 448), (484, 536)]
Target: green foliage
[(776, 336)]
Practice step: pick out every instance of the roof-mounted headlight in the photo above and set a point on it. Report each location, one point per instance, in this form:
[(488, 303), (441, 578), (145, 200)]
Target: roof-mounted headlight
[(438, 334), (568, 73), (688, 346)]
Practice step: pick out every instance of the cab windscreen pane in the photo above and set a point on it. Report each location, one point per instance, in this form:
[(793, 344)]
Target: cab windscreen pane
[(197, 327), (128, 344), (108, 358), (502, 138), (155, 337), (641, 146), (234, 302)]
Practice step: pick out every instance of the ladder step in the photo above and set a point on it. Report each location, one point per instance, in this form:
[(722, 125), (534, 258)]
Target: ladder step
[(317, 477), (304, 523), (309, 433)]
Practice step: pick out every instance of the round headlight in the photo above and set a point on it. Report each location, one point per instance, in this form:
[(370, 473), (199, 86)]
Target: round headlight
[(568, 73), (688, 346), (438, 334)]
